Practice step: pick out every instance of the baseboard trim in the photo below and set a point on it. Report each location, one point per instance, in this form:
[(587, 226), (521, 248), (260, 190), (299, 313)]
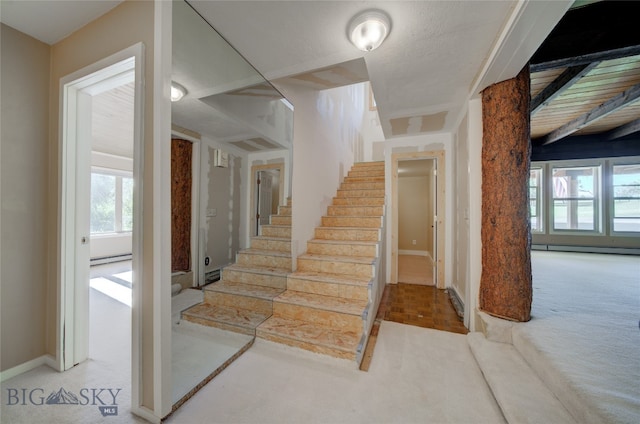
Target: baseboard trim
[(28, 366), (587, 249), (414, 252), (145, 413)]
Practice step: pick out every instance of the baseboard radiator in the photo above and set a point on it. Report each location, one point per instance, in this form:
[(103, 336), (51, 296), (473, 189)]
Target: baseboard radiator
[(109, 259)]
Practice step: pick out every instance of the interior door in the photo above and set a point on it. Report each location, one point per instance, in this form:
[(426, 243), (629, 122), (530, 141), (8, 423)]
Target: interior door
[(434, 205), (265, 182)]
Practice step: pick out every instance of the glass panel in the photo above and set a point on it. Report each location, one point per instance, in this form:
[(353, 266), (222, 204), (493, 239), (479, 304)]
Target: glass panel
[(575, 194), (127, 204), (535, 203), (626, 202), (103, 203)]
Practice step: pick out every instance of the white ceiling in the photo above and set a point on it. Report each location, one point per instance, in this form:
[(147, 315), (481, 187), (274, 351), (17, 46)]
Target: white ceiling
[(421, 76)]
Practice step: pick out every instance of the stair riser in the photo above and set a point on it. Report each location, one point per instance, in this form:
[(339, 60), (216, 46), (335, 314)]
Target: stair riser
[(265, 280), (368, 185), (358, 201), (360, 193), (334, 320), (272, 245), (375, 178), (280, 220), (341, 249), (284, 210), (328, 289), (306, 346), (261, 306), (360, 221), (220, 325), (345, 268), (282, 232), (355, 210), (263, 260), (339, 234), (366, 173)]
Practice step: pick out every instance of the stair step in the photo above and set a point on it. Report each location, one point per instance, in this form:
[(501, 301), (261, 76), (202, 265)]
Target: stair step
[(226, 318), (362, 185), (360, 193), (340, 210), (346, 265), (349, 287), (271, 243), (522, 396), (342, 247), (258, 276), (304, 335), (358, 201), (280, 220), (377, 178), (355, 307), (243, 289), (284, 210), (347, 233), (352, 221), (283, 231), (265, 258)]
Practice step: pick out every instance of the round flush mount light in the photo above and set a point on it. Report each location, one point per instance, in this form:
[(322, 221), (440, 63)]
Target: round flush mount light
[(368, 30), (177, 91)]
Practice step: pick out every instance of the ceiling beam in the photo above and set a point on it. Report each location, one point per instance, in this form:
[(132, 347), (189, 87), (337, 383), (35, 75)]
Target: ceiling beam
[(594, 114), (623, 130), (565, 80), (585, 58)]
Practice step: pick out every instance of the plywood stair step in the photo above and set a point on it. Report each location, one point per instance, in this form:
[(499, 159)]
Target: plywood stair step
[(312, 337), (356, 307), (255, 275), (271, 243), (352, 221), (349, 287), (348, 210), (242, 289), (358, 201), (347, 233), (269, 230), (226, 318), (342, 247), (347, 265), (264, 258), (360, 193)]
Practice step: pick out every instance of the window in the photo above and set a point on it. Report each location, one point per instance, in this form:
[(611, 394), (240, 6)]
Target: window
[(626, 198), (111, 203), (535, 200), (576, 193)]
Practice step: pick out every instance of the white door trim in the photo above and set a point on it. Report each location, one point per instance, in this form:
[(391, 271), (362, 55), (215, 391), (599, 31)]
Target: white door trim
[(439, 157), (71, 334)]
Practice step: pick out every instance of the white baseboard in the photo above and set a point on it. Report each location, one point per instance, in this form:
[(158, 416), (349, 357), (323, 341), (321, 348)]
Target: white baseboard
[(145, 413), (414, 252), (28, 366)]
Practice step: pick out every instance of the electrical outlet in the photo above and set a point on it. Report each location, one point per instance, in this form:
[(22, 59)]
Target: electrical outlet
[(414, 242), (206, 261)]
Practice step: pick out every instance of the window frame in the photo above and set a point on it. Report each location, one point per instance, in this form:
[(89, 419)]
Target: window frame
[(612, 197), (540, 198), (119, 176)]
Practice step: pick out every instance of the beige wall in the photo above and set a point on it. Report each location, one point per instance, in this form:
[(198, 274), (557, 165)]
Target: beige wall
[(415, 214), (24, 152), (127, 24), (326, 134), (461, 236)]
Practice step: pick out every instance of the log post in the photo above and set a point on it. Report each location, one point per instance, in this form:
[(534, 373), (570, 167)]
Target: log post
[(505, 284)]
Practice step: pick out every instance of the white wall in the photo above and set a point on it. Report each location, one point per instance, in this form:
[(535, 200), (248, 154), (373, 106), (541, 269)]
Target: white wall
[(326, 134), (24, 153), (423, 143), (461, 206)]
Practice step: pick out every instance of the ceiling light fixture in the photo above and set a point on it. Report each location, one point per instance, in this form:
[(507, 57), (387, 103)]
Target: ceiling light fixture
[(369, 29), (177, 91)]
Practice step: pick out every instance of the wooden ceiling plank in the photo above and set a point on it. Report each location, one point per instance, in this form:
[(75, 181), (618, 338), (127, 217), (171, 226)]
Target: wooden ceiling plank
[(621, 131), (586, 58), (601, 111), (560, 84)]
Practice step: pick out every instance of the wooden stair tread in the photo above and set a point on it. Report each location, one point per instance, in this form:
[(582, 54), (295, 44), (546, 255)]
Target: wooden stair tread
[(270, 238), (231, 316), (346, 341), (252, 251), (344, 242), (328, 303), (331, 278), (367, 260), (242, 289), (278, 272)]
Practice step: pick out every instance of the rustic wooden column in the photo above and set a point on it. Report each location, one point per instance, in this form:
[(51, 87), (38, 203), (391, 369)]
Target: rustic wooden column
[(505, 285)]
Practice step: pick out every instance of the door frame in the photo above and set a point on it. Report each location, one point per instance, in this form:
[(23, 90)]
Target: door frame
[(254, 175), (72, 318), (439, 157)]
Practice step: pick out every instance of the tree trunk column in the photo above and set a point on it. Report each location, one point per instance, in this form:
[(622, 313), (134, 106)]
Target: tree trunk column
[(505, 285)]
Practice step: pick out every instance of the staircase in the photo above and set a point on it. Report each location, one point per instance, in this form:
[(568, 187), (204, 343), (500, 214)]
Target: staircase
[(325, 307), (243, 298)]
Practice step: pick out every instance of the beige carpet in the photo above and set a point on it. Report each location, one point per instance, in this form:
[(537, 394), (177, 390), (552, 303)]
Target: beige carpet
[(417, 375), (414, 269)]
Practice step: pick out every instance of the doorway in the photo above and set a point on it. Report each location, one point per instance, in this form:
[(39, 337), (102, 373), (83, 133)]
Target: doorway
[(266, 194), (418, 218), (79, 126)]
